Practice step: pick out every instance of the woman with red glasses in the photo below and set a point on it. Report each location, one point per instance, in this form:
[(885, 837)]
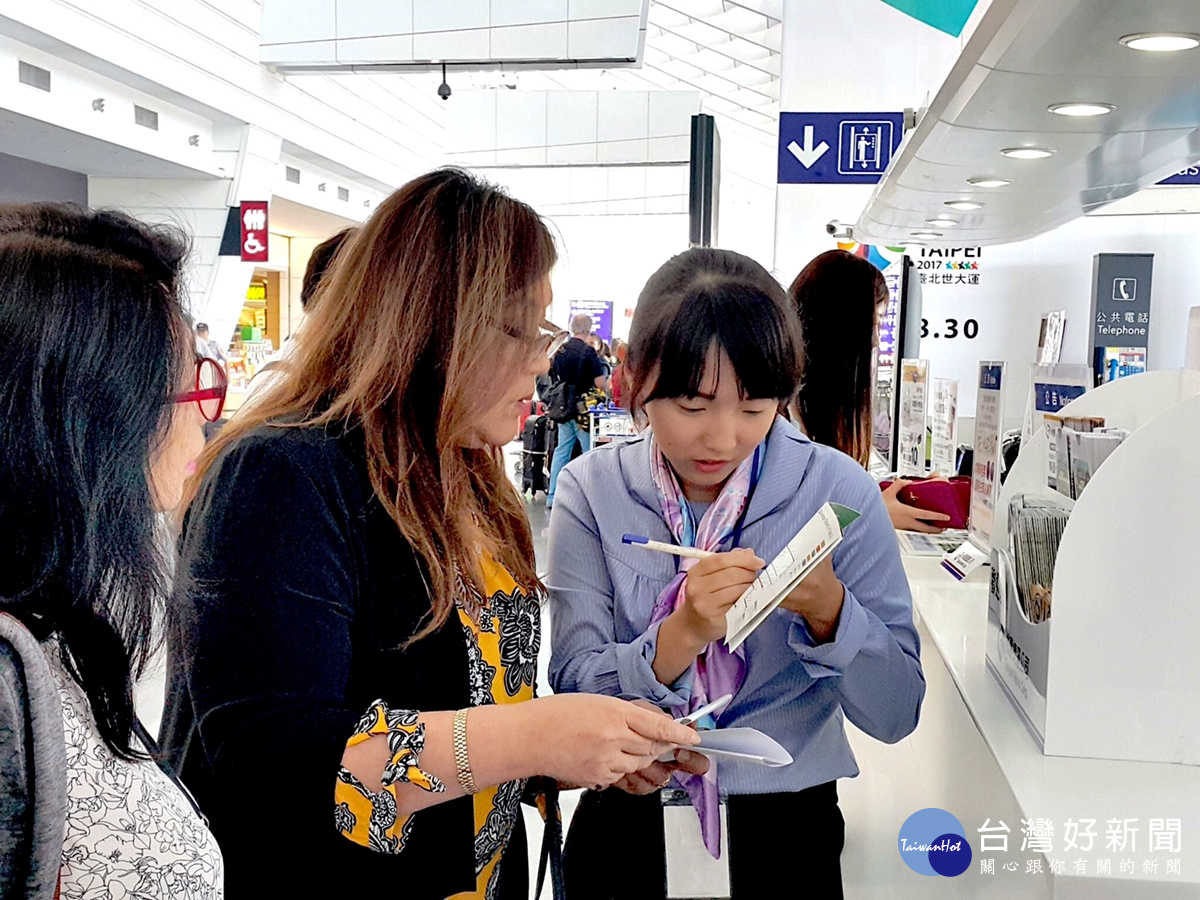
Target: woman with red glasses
[(102, 404)]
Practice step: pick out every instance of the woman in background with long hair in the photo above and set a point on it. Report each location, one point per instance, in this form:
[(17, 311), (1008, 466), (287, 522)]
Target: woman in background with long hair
[(841, 299), (102, 406)]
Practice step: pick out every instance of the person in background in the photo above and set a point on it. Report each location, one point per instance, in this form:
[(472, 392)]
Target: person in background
[(620, 349), (359, 609), (205, 346), (578, 364), (319, 261), (714, 357), (841, 299), (97, 436), (597, 343)]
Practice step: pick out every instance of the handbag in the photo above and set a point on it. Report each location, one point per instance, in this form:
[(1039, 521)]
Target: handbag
[(552, 843)]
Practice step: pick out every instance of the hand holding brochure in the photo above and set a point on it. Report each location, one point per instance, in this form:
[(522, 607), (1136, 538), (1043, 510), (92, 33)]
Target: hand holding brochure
[(747, 744), (815, 541)]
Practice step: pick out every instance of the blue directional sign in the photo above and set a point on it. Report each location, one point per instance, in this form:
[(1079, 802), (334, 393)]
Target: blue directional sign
[(837, 148), (1190, 175)]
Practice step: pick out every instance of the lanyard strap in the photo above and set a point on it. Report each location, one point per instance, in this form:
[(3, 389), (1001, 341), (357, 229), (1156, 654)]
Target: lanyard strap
[(756, 468)]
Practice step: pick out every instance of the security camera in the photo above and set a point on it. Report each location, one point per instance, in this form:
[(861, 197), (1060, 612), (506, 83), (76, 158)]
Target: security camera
[(839, 230), (444, 91)]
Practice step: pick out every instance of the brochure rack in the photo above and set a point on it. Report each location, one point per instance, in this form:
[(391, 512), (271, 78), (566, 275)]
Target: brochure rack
[(1122, 673), (1117, 679)]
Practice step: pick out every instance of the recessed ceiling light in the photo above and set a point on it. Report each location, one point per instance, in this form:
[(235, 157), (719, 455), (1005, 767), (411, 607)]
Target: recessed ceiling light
[(1161, 41), (942, 223), (988, 181), (1027, 152), (927, 234), (968, 205), (1081, 110)]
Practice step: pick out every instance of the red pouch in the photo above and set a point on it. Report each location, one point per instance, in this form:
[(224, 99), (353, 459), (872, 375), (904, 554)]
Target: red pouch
[(952, 497)]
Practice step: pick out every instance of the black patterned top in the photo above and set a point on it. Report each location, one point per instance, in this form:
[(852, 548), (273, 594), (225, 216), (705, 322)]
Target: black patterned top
[(503, 633)]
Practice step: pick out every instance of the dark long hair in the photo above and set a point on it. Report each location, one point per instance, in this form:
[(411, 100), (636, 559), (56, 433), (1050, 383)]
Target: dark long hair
[(408, 328), (93, 339), (705, 295), (835, 296)]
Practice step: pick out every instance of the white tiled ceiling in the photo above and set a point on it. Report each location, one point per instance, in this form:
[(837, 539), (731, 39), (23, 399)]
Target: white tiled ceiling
[(414, 35), (728, 51)]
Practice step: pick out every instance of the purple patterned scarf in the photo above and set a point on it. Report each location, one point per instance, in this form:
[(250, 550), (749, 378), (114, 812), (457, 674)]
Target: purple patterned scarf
[(717, 672)]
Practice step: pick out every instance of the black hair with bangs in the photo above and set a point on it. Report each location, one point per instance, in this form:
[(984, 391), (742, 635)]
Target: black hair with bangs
[(702, 296)]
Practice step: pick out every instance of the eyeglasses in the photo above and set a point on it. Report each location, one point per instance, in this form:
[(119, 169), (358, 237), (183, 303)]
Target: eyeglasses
[(209, 395), (548, 341)]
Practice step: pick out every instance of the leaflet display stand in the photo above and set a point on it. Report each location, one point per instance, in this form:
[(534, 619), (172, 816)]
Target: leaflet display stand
[(1122, 677)]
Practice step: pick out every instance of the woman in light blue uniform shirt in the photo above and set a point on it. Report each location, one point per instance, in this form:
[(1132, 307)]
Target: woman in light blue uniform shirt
[(714, 358)]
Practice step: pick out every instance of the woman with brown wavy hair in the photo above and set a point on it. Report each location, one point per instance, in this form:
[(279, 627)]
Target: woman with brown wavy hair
[(356, 567)]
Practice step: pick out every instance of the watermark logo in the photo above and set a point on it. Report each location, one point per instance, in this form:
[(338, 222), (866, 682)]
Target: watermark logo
[(933, 842)]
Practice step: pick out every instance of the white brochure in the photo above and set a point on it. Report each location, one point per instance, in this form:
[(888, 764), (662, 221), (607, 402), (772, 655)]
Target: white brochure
[(815, 541), (944, 450), (914, 402)]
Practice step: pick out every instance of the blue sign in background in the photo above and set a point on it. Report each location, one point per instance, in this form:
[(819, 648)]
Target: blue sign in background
[(601, 312), (1049, 397), (1190, 175), (837, 147)]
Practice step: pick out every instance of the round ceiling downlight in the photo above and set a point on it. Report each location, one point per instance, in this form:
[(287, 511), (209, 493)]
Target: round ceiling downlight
[(1162, 41), (1027, 152), (1081, 110)]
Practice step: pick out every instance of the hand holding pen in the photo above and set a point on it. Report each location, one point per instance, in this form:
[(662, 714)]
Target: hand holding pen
[(714, 584)]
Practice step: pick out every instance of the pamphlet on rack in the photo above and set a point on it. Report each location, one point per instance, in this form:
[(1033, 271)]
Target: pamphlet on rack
[(803, 553), (1020, 603), (1081, 444), (985, 472), (1050, 340), (943, 452), (914, 390), (916, 543)]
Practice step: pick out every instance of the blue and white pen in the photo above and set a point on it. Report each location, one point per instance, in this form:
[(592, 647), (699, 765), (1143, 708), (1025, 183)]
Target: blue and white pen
[(645, 543)]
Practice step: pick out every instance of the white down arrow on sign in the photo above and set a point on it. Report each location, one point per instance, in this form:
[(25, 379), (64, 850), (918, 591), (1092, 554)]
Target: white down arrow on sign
[(808, 154)]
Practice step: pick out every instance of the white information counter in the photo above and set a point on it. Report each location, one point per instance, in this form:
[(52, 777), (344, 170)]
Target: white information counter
[(1160, 860)]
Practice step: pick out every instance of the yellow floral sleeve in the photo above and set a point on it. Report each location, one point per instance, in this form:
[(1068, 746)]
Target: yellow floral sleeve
[(369, 818)]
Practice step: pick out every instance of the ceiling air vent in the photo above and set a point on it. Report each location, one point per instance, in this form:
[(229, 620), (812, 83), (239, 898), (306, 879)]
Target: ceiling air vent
[(343, 193), (292, 174), (34, 76), (147, 118)]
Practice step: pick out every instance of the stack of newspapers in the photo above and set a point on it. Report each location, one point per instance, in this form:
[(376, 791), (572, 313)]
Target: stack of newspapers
[(1035, 528)]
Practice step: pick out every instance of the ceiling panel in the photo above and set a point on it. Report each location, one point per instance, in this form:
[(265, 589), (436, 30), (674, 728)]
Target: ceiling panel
[(1024, 56)]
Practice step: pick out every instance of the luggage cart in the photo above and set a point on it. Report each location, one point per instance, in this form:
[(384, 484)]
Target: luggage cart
[(610, 424)]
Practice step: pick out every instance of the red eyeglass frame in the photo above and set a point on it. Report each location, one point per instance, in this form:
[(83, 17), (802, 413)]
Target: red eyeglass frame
[(216, 392)]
